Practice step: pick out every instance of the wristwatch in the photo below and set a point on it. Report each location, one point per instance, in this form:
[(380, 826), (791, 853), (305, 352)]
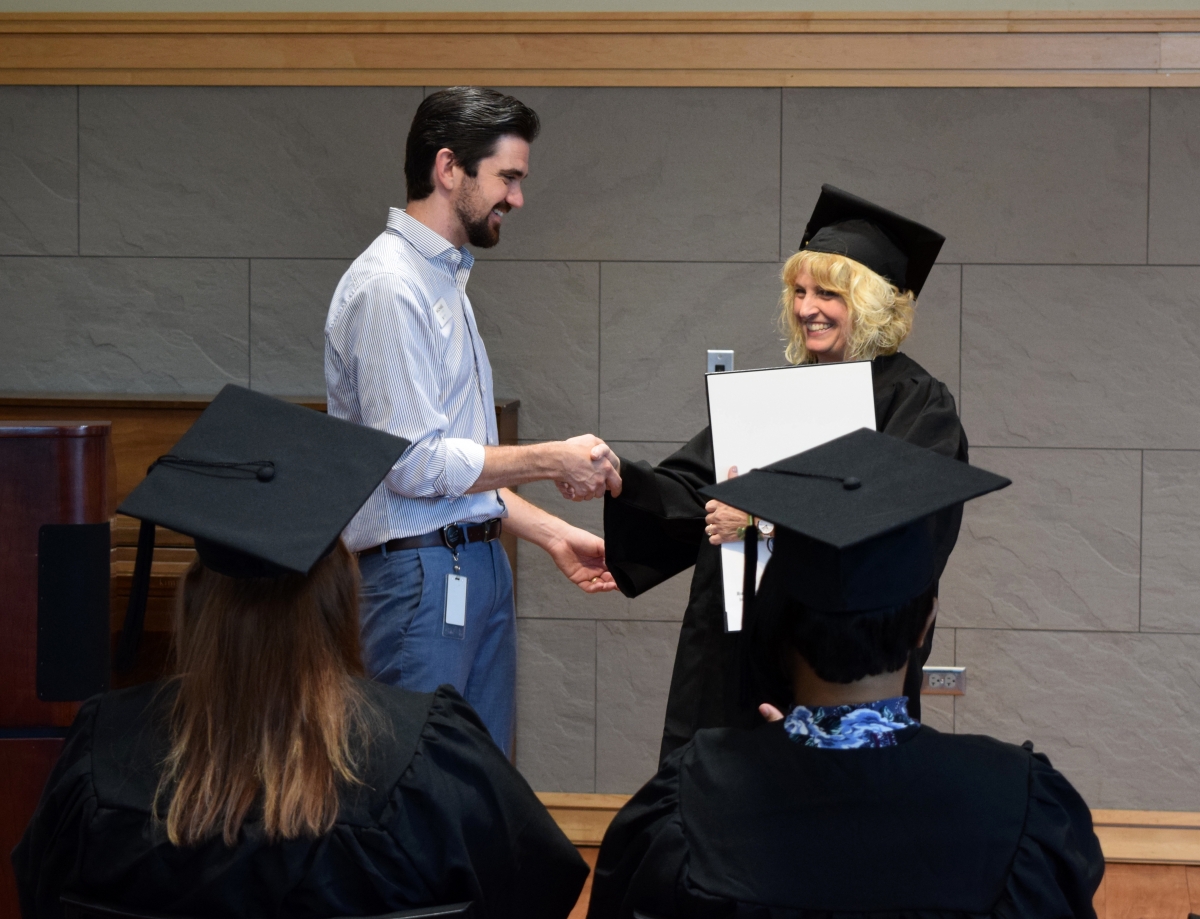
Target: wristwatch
[(765, 528)]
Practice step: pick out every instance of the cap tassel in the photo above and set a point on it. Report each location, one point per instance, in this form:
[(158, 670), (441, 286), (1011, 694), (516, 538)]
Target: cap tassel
[(750, 574), (139, 591), (748, 685)]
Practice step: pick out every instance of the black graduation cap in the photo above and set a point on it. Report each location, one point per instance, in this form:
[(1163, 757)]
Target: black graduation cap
[(899, 249), (853, 518), (265, 487)]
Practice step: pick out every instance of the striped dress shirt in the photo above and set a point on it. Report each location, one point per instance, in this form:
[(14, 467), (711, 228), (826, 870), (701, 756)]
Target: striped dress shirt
[(403, 355)]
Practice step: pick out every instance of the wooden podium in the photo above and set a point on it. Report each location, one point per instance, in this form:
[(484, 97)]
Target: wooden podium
[(53, 472)]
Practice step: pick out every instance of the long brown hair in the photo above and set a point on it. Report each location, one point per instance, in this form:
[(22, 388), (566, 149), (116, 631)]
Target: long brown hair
[(266, 701)]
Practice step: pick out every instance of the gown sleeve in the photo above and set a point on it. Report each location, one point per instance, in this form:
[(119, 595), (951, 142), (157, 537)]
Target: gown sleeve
[(1058, 864), (655, 528), (644, 853), (468, 821), (920, 410), (46, 860)]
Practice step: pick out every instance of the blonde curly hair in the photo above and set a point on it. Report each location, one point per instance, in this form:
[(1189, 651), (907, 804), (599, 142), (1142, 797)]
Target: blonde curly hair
[(881, 315)]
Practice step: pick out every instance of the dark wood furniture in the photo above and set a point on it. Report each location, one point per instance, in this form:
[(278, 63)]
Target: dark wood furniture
[(143, 428), (51, 472)]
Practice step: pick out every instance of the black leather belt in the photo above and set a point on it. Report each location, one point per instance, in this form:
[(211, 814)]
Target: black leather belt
[(451, 536)]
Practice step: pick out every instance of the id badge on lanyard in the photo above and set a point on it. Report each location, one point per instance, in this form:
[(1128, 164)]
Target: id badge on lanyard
[(454, 616)]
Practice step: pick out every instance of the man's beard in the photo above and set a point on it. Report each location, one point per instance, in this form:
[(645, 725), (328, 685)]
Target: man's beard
[(480, 232)]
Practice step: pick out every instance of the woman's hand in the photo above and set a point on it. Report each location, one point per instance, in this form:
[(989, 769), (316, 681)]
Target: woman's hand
[(722, 521), (770, 712)]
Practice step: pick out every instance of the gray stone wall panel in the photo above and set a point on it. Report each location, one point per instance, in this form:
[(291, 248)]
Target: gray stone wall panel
[(633, 674), (1115, 713), (650, 173), (543, 592), (938, 711), (934, 342), (289, 299), (124, 325), (656, 323), (1081, 356), (540, 324), (38, 170), (291, 172), (1171, 542), (1057, 549), (556, 704), (1008, 175), (1174, 176)]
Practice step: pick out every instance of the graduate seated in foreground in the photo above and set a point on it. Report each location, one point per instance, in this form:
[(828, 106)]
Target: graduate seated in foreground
[(843, 805), (267, 777)]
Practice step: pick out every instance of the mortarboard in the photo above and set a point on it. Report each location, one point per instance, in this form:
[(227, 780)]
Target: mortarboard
[(265, 487), (853, 518), (899, 249)]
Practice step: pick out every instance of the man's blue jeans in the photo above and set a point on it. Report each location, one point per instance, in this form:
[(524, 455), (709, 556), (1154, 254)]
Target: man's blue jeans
[(401, 612)]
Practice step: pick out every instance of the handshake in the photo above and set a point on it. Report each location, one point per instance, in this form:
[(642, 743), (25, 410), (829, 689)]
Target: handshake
[(589, 468)]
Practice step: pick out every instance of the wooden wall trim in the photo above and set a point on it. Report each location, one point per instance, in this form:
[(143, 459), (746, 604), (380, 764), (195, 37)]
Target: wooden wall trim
[(1143, 837), (603, 49)]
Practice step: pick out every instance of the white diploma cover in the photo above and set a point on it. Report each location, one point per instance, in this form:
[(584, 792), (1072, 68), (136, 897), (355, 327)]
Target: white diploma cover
[(762, 416)]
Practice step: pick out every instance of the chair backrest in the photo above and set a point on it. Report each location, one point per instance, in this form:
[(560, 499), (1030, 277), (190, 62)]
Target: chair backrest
[(78, 908)]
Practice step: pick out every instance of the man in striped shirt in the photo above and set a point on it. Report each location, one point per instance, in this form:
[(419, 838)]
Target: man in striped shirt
[(403, 354)]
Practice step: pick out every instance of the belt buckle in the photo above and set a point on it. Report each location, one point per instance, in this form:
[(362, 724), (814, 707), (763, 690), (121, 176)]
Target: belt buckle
[(453, 536)]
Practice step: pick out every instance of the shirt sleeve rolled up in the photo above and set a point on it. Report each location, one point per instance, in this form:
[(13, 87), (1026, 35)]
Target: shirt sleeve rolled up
[(395, 349)]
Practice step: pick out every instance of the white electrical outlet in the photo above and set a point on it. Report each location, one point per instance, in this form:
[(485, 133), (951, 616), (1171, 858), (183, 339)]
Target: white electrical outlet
[(720, 361), (944, 681)]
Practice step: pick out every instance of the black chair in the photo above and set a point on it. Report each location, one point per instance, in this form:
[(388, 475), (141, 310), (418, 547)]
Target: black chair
[(77, 908)]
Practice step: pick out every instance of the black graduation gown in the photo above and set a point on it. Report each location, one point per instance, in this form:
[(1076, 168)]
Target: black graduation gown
[(442, 817), (748, 823), (655, 530)]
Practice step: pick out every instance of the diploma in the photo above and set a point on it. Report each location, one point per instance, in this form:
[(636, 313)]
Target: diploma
[(761, 416)]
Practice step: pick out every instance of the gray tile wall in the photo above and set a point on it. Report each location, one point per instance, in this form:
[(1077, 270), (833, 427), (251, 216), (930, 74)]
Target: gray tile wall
[(173, 239)]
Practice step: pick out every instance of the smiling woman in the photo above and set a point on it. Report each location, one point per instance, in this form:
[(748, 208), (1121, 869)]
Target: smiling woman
[(836, 309), (849, 294)]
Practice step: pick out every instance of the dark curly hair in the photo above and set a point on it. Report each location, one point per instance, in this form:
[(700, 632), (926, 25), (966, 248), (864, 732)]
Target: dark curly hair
[(840, 647), (468, 120), (844, 647)]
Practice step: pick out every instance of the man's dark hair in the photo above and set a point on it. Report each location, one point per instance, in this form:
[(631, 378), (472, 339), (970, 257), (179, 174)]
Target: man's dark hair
[(844, 647), (469, 121), (840, 647)]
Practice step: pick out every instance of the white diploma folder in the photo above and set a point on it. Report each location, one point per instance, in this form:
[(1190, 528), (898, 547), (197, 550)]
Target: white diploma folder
[(762, 416)]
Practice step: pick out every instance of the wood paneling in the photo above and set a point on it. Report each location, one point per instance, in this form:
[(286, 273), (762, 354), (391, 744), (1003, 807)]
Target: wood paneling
[(1149, 836), (143, 429), (589, 854), (604, 49), (583, 817), (50, 472), (146, 427), (24, 765), (1147, 892)]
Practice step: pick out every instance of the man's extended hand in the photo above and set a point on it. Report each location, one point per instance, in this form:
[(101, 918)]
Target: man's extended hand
[(580, 556), (590, 469)]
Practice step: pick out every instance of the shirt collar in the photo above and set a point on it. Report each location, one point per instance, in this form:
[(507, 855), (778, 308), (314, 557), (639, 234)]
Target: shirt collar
[(847, 727), (428, 243)]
